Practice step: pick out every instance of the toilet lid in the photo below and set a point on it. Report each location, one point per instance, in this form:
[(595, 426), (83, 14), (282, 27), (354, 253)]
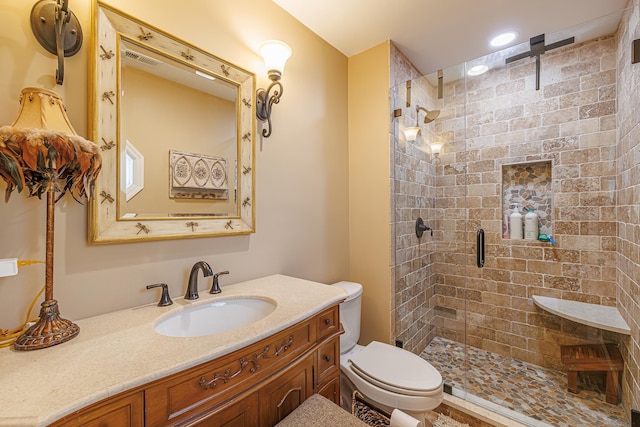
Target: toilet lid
[(395, 369)]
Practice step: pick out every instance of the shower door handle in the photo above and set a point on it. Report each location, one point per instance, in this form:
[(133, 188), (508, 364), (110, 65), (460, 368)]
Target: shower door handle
[(480, 248)]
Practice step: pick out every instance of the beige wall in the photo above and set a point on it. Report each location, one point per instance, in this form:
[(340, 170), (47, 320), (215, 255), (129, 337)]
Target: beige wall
[(369, 189), (301, 194)]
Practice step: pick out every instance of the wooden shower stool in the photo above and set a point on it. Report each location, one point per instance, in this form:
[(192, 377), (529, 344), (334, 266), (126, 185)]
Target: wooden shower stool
[(593, 357)]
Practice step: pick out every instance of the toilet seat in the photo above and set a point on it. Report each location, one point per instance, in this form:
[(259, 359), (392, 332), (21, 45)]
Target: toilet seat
[(396, 370)]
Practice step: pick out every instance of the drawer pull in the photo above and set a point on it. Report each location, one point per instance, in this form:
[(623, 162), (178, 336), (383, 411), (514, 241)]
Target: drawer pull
[(225, 376), (327, 358), (327, 321)]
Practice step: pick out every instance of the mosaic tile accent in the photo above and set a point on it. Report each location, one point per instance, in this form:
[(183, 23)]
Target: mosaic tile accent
[(531, 390), (529, 186)]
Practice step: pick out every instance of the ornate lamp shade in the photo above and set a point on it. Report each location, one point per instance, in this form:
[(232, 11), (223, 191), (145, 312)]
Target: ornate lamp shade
[(42, 109), (42, 152)]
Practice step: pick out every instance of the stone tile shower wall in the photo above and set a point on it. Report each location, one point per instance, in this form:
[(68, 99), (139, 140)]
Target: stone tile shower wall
[(628, 197), (571, 123), (413, 194)]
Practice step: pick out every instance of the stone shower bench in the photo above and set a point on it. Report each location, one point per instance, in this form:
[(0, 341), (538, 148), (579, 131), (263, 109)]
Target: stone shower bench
[(598, 316)]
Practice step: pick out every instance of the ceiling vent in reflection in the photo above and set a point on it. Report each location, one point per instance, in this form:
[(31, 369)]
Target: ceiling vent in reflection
[(138, 57)]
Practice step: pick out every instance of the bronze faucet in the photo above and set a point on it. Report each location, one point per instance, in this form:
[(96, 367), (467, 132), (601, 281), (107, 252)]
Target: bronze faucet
[(192, 286)]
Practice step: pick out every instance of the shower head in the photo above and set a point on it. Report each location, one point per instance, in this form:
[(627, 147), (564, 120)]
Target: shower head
[(431, 115)]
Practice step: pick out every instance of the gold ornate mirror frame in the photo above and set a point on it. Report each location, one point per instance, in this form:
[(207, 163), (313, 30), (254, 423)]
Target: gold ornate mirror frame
[(106, 224)]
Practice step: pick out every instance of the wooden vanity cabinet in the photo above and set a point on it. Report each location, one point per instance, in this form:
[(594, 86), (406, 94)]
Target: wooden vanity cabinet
[(123, 410), (257, 385), (286, 392), (242, 411)]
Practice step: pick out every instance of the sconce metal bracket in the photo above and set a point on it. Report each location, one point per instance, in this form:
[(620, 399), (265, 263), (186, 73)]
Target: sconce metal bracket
[(264, 104), (57, 30)]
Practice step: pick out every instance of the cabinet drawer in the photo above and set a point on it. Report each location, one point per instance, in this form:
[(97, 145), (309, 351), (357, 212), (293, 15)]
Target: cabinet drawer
[(328, 322), (182, 396), (328, 359)]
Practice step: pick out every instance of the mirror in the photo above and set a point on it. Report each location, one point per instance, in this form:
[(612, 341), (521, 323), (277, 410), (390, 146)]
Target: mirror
[(176, 128)]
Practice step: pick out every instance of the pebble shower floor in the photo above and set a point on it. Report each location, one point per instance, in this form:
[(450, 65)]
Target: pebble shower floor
[(536, 392)]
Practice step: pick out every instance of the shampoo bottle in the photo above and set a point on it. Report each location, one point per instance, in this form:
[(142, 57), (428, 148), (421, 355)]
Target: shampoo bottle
[(531, 225), (515, 223)]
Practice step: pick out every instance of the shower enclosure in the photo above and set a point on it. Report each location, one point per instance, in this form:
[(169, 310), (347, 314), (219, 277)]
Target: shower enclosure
[(499, 144)]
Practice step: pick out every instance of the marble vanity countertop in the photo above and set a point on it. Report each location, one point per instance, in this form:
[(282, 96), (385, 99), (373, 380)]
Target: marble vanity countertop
[(118, 351)]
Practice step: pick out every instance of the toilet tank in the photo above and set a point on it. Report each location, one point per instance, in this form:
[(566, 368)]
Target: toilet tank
[(350, 315)]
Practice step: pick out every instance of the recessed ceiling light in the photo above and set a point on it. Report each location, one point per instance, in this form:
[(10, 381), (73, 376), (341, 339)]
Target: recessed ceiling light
[(477, 70), (503, 39), (205, 75)]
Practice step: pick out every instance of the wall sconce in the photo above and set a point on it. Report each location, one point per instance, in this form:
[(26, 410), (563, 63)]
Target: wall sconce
[(436, 149), (411, 133), (57, 30), (275, 54)]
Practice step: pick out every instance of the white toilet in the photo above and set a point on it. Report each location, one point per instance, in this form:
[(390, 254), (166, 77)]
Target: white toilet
[(387, 376)]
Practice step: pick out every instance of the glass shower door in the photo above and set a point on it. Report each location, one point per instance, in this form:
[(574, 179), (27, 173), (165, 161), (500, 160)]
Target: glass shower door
[(539, 134)]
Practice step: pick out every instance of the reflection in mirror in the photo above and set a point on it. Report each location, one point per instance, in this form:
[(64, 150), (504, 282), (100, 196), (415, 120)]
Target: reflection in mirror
[(131, 171), (197, 113), (176, 128)]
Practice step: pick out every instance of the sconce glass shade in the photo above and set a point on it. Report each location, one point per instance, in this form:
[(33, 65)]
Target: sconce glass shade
[(275, 54), (436, 148), (411, 133)]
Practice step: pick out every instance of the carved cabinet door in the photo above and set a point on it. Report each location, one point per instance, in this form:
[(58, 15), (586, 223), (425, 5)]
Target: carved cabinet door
[(241, 412), (286, 392)]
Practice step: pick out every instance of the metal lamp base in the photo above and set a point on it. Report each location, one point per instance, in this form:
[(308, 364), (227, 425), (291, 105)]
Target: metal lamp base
[(48, 331)]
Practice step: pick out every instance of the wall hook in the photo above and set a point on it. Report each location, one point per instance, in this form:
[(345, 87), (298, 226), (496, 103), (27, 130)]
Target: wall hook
[(57, 29)]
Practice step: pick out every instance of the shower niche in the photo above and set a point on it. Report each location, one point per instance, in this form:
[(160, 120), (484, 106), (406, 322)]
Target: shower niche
[(528, 185)]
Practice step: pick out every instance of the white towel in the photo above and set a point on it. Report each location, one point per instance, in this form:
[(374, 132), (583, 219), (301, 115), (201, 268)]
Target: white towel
[(402, 419)]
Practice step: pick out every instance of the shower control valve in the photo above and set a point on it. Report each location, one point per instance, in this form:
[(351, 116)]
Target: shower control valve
[(421, 228)]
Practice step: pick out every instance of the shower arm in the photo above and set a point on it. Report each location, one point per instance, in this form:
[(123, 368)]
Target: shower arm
[(538, 48), (418, 108)]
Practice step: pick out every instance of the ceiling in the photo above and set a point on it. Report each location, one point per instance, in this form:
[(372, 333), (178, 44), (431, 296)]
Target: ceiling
[(436, 34)]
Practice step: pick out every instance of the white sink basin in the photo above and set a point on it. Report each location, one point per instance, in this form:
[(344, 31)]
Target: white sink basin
[(215, 317)]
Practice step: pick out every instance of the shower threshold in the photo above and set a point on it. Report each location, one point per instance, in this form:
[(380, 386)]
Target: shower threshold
[(527, 393)]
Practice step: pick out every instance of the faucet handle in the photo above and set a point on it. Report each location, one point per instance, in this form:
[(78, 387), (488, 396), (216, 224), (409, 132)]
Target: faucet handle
[(215, 289), (165, 299)]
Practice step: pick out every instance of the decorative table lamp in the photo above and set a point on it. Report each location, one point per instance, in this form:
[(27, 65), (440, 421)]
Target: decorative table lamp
[(41, 151)]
